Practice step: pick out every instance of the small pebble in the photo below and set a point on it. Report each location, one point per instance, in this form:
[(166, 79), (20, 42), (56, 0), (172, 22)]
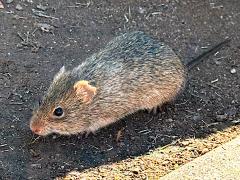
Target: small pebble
[(233, 71), (136, 170), (9, 1), (205, 150), (221, 117), (19, 7), (185, 143), (41, 7), (196, 117), (38, 166), (189, 148), (231, 112), (217, 62), (214, 130), (169, 120), (141, 10), (45, 27), (237, 121), (164, 7)]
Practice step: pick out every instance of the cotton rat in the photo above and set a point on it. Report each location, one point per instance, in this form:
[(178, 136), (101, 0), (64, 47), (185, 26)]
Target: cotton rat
[(132, 72)]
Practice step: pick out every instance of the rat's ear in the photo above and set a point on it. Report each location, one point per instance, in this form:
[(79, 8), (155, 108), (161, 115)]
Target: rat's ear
[(85, 91), (59, 74)]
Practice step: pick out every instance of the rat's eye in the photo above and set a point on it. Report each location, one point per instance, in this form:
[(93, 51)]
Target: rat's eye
[(58, 111)]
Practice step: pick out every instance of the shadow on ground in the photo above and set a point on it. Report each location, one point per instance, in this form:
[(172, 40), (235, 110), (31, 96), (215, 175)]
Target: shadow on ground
[(29, 57)]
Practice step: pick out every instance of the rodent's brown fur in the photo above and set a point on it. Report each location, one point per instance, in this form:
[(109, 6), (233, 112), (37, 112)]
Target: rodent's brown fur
[(132, 72)]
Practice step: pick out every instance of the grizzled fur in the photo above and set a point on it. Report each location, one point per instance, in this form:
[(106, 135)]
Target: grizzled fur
[(132, 72)]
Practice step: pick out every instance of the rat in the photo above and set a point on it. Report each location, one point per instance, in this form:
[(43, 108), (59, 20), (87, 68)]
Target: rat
[(133, 72)]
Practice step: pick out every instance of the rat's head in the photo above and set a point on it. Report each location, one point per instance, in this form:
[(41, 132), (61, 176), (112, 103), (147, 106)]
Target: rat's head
[(64, 107)]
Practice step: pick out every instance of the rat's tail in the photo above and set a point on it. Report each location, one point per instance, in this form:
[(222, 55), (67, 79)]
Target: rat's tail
[(206, 54)]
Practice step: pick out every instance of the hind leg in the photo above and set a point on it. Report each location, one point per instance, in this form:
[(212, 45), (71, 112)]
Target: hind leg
[(156, 103)]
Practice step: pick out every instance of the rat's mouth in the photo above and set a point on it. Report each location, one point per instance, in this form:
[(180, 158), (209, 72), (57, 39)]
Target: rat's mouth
[(39, 131), (42, 128), (46, 131), (61, 132)]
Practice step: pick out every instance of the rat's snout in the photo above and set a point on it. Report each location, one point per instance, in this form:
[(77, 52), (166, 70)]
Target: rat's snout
[(36, 130), (37, 127)]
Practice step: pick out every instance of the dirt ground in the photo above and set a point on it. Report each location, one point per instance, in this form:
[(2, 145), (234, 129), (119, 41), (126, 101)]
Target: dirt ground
[(38, 37), (157, 162)]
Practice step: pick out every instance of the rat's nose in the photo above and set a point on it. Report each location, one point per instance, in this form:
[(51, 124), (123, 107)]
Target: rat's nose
[(36, 127), (36, 130)]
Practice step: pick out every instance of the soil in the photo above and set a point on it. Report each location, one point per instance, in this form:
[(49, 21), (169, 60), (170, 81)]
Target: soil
[(38, 37)]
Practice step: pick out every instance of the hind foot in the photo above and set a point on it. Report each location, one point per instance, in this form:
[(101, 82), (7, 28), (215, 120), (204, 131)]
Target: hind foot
[(87, 133), (161, 108), (154, 110), (168, 108)]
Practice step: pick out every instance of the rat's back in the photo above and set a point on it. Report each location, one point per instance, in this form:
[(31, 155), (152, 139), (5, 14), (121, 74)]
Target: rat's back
[(133, 72)]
